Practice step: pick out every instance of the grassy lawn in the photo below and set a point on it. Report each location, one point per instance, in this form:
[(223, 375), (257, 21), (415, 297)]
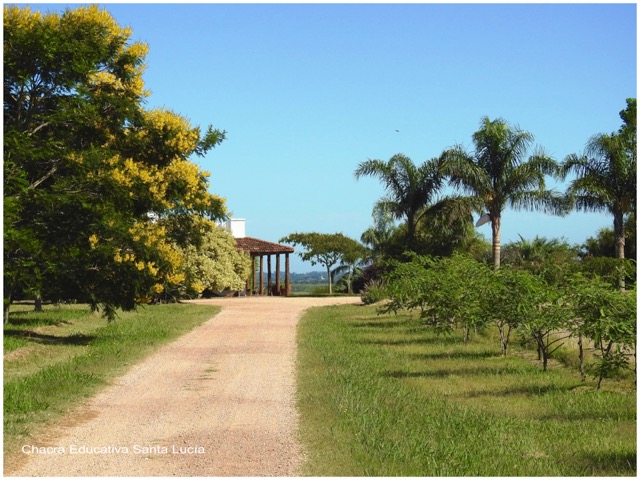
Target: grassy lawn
[(55, 358), (383, 396)]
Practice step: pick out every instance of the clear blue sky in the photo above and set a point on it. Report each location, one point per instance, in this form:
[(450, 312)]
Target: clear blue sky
[(306, 92)]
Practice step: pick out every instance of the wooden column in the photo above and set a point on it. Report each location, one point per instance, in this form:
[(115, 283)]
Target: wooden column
[(287, 280), (261, 276), (269, 274), (278, 273), (253, 274)]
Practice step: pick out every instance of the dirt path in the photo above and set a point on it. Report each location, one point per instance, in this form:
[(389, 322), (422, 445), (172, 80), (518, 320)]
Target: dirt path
[(218, 401)]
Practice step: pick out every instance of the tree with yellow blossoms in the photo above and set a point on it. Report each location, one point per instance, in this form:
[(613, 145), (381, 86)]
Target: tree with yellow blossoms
[(100, 196), (215, 264)]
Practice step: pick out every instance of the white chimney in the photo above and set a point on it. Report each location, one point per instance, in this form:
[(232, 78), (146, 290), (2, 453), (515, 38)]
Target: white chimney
[(237, 227)]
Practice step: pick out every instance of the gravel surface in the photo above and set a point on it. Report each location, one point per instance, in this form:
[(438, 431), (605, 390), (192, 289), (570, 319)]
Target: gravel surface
[(219, 401)]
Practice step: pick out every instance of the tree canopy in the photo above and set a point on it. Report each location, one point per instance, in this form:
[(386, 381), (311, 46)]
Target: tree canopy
[(98, 190), (499, 174), (606, 175), (327, 250)]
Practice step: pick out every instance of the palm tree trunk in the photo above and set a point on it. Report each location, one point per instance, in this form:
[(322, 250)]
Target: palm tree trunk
[(495, 231), (411, 231), (618, 230)]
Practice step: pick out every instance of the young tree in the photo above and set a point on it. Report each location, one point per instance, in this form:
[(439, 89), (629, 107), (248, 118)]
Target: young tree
[(606, 176), (498, 174), (510, 299), (324, 249), (608, 317), (92, 179), (552, 317)]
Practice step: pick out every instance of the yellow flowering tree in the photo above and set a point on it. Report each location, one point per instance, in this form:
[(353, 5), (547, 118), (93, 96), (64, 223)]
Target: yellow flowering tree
[(100, 194), (215, 264)]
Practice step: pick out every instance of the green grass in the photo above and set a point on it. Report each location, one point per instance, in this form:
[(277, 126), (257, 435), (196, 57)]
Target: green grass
[(56, 358), (383, 396), (309, 289)]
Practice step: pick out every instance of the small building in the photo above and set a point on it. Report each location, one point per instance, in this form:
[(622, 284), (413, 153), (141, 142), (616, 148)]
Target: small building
[(257, 250)]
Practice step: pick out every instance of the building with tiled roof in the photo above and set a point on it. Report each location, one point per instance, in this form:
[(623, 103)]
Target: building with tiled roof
[(258, 249)]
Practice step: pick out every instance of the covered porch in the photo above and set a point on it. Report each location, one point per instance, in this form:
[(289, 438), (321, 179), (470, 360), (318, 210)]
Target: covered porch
[(258, 249)]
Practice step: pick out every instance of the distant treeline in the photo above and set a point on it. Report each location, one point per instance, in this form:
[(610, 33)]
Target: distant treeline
[(308, 277)]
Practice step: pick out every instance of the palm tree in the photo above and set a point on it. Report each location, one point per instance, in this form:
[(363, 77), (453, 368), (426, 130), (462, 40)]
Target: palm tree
[(409, 187), (377, 236), (605, 181), (498, 175), (536, 250)]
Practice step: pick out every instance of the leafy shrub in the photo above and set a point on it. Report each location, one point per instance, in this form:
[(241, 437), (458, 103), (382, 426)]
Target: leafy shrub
[(609, 269), (374, 292)]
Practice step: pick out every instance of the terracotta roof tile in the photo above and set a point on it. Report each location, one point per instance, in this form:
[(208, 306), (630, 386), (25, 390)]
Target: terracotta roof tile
[(261, 247)]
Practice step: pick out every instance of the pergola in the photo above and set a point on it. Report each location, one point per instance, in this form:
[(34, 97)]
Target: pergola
[(257, 248)]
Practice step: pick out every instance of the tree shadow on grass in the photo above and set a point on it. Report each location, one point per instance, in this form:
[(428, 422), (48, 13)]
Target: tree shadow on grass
[(533, 389), (454, 355), (446, 372), (608, 463), (412, 341), (383, 324), (74, 339), (29, 320)]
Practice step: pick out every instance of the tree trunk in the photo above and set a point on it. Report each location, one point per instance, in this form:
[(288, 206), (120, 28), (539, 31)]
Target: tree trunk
[(329, 279), (618, 230), (38, 303), (583, 375), (495, 231), (411, 231), (504, 339), (7, 307), (543, 352)]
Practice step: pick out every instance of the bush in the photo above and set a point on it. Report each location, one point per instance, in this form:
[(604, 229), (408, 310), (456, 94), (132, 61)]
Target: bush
[(374, 292)]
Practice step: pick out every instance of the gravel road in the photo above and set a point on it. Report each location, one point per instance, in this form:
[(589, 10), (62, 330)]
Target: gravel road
[(219, 401)]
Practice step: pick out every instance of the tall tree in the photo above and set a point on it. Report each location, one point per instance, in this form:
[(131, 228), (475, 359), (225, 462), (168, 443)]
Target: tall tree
[(499, 174), (93, 182), (410, 188), (606, 176)]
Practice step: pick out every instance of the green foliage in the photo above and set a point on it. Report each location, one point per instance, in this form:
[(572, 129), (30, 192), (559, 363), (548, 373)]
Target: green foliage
[(608, 269), (497, 175), (606, 176), (551, 259), (327, 250), (608, 317), (97, 188), (410, 188), (448, 292), (603, 243), (215, 264), (431, 225), (461, 293), (373, 292), (551, 319)]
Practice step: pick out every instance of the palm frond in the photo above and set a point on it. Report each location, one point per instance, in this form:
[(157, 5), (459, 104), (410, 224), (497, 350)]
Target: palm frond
[(549, 201), (464, 173)]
